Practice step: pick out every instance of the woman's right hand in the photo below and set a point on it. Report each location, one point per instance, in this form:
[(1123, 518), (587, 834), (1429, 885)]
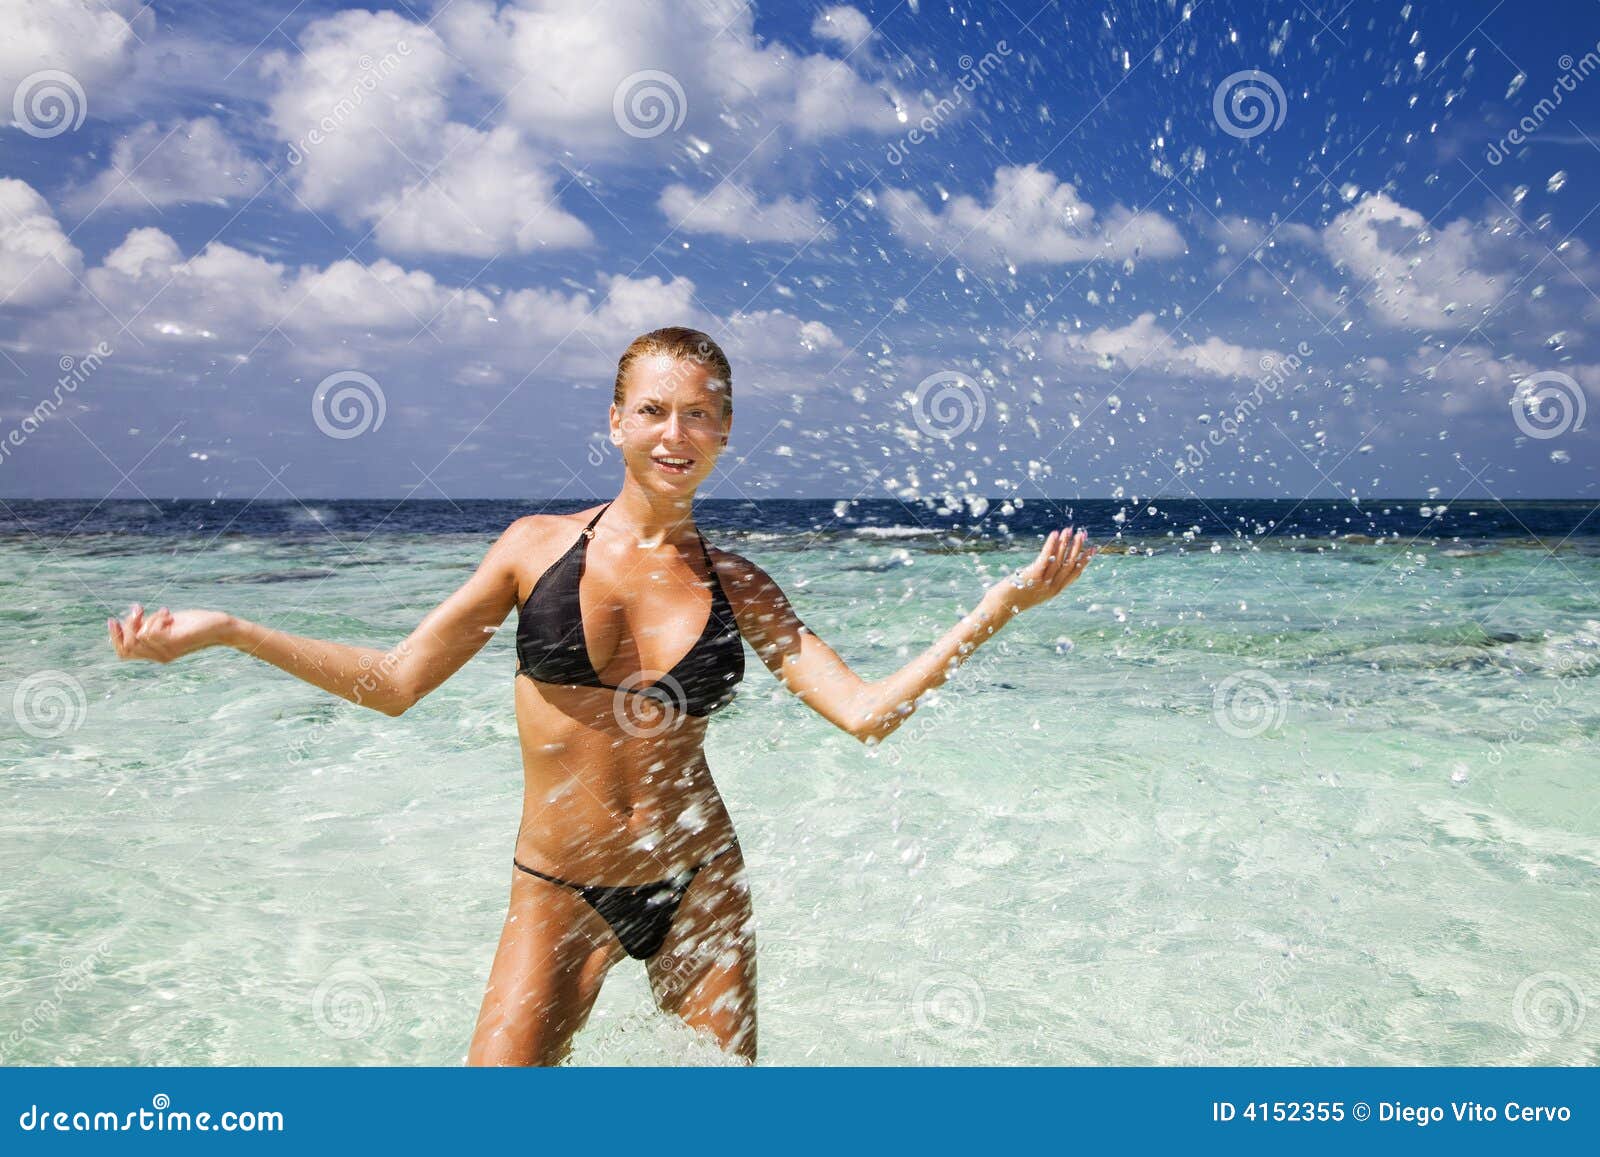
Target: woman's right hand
[(165, 636)]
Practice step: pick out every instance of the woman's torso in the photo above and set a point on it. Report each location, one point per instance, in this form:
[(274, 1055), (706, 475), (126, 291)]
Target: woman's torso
[(617, 790)]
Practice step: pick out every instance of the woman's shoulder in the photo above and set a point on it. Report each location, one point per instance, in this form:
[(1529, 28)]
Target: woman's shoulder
[(534, 540), (737, 573), (538, 526)]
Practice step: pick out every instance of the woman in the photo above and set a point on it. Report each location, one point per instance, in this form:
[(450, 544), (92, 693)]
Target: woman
[(628, 639)]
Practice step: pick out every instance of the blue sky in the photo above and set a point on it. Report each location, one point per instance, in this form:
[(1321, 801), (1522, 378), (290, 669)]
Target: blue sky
[(996, 249)]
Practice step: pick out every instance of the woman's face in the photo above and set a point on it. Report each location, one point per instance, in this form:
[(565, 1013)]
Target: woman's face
[(670, 428)]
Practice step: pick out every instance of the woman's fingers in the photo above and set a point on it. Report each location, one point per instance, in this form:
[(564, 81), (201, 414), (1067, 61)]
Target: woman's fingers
[(1052, 559), (1077, 556), (1075, 549), (1039, 570), (1082, 561)]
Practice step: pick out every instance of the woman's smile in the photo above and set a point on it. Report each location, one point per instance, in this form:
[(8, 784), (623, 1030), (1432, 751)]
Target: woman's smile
[(674, 465)]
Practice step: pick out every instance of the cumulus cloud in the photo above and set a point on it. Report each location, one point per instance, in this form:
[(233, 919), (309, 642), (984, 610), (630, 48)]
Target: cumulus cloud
[(37, 262), (772, 334), (1413, 276), (226, 304), (364, 115), (734, 210), (1031, 218), (90, 40), (842, 24), (190, 161), (1144, 344), (1476, 378), (561, 65), (360, 107), (488, 196)]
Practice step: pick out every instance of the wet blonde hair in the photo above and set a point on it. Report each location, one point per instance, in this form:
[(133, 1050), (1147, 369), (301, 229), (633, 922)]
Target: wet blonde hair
[(680, 344)]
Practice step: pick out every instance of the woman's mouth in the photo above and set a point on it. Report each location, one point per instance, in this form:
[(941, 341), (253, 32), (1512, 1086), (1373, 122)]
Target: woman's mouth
[(672, 465)]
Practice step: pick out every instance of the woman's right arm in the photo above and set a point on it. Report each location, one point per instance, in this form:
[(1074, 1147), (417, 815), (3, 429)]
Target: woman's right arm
[(388, 681)]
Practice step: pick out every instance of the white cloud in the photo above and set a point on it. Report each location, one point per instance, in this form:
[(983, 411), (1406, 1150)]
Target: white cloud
[(772, 334), (364, 112), (37, 262), (1412, 276), (487, 197), (560, 63), (734, 210), (1144, 344), (90, 40), (626, 309), (1031, 218), (842, 24), (360, 108), (225, 296), (1476, 378), (223, 302), (191, 161)]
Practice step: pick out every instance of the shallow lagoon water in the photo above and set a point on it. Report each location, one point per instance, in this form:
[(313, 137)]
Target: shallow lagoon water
[(1261, 798)]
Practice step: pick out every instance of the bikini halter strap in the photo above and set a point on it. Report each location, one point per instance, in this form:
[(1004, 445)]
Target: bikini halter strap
[(588, 531)]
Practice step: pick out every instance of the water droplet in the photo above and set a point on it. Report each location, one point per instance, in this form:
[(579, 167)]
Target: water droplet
[(1557, 180)]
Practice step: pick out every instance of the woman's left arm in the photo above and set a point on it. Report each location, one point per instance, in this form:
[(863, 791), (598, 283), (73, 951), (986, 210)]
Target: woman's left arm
[(870, 710)]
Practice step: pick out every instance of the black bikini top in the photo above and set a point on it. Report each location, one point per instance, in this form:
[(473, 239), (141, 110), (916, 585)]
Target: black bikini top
[(551, 645)]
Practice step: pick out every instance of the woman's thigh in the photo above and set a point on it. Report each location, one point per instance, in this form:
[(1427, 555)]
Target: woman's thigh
[(554, 953), (706, 970)]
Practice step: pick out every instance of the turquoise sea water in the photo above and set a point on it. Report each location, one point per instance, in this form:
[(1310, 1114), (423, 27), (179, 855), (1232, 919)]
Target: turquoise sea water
[(1268, 797)]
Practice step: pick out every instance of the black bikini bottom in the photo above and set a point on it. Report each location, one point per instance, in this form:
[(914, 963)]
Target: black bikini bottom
[(640, 914)]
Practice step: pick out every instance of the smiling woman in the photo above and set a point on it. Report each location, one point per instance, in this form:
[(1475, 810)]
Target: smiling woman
[(630, 636)]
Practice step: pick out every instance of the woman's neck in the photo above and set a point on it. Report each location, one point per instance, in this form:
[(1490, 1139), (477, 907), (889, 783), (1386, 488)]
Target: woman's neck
[(652, 519)]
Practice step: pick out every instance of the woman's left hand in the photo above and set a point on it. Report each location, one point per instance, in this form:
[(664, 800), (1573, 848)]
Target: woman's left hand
[(1060, 561)]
